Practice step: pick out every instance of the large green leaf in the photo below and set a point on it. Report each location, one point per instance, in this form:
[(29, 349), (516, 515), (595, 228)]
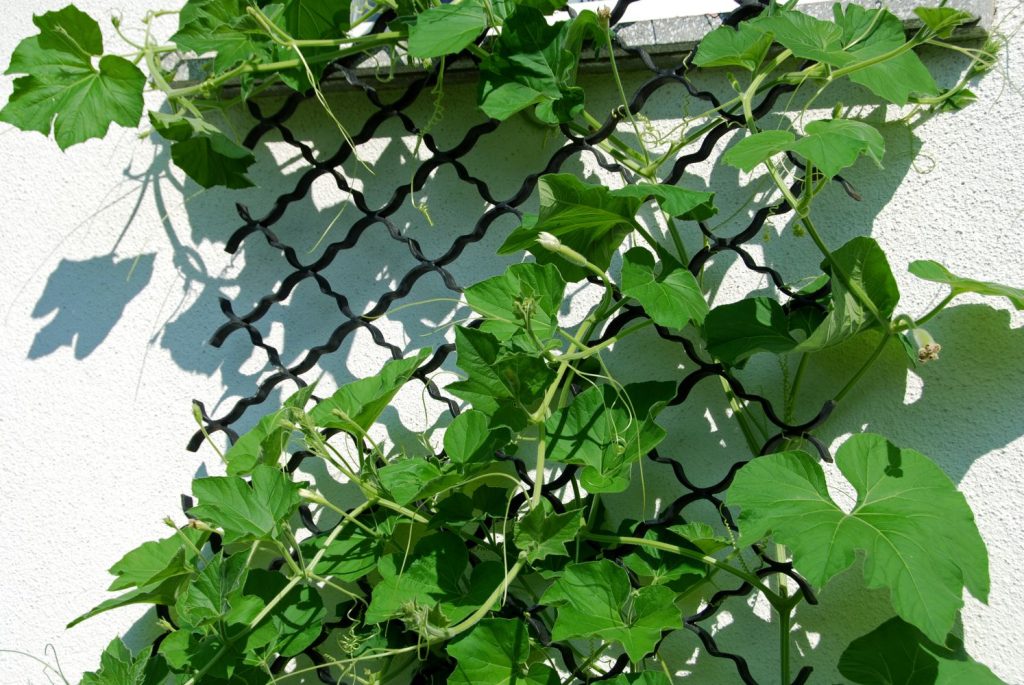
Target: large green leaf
[(916, 531), (293, 624), (470, 438), (735, 331), (543, 533), (534, 63), (757, 148), (834, 144), (355, 406), (655, 566), (897, 653), (942, 20), (213, 159), (594, 599), (119, 667), (606, 430), (64, 91), (243, 512), (160, 593), (806, 36), (350, 556), (867, 274), (210, 595), (937, 273), (414, 478), (496, 652), (590, 219), (694, 205), (672, 298), (222, 27), (154, 562), (446, 29), (532, 290), (743, 46)]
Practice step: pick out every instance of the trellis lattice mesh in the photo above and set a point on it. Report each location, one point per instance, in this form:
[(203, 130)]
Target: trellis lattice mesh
[(387, 111)]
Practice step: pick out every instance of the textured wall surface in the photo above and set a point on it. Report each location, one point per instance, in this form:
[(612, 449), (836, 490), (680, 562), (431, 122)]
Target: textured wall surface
[(112, 267)]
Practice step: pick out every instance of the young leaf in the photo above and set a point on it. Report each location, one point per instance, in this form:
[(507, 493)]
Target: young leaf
[(162, 593), (594, 599), (446, 29), (119, 667), (736, 331), (701, 535), (590, 219), (63, 91), (355, 406), (244, 512), (655, 566), (222, 27), (743, 46), (264, 443), (897, 653), (692, 205), (834, 144), (916, 531), (672, 299), (937, 273), (942, 20), (606, 431), (504, 300), (758, 148), (495, 652), (542, 533), (213, 159)]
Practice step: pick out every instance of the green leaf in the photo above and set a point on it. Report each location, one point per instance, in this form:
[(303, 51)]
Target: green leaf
[(446, 29), (355, 406), (642, 678), (701, 535), (744, 46), (413, 478), (502, 384), (470, 438), (349, 557), (868, 274), (505, 300), (119, 667), (209, 596), (154, 562), (672, 299), (178, 127), (733, 332), (606, 431), (293, 624), (264, 443), (942, 20), (897, 653), (214, 160), (758, 148), (63, 91), (162, 593), (805, 36), (533, 63), (587, 218), (542, 533), (495, 652), (692, 205), (244, 512), (594, 599), (834, 144), (916, 531), (659, 567), (937, 273), (222, 27)]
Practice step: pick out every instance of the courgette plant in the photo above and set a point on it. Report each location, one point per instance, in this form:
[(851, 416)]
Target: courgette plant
[(495, 560)]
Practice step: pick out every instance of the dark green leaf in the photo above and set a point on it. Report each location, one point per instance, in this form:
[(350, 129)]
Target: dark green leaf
[(119, 667), (735, 331), (595, 599), (495, 652), (471, 439), (407, 478), (587, 218), (655, 566), (63, 91), (542, 533), (244, 512), (209, 596), (937, 273), (642, 678), (428, 576), (214, 160), (350, 556), (701, 535), (897, 653), (446, 29), (672, 298), (607, 431), (293, 624), (355, 406), (505, 300), (916, 531), (758, 148), (726, 46), (693, 205)]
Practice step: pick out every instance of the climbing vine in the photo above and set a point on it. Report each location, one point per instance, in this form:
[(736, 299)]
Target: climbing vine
[(496, 560)]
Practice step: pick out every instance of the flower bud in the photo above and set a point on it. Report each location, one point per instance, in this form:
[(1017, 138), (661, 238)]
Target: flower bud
[(553, 244), (927, 349)]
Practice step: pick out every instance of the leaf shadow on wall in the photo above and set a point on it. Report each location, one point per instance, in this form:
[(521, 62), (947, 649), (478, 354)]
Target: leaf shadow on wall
[(86, 300)]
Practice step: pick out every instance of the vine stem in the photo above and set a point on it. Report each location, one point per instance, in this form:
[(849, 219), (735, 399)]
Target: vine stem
[(864, 367)]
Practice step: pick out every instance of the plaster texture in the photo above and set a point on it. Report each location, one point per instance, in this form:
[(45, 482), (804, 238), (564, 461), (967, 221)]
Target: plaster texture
[(113, 265)]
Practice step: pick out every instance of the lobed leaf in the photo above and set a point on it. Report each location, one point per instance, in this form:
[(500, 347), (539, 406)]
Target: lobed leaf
[(933, 271), (672, 299)]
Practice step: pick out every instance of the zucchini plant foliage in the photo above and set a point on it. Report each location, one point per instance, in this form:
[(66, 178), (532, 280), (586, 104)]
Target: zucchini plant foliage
[(465, 565)]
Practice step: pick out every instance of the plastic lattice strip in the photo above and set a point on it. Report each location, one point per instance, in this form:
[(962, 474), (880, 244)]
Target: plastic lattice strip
[(439, 261)]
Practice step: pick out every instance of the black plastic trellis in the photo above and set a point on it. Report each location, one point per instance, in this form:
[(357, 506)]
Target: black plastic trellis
[(349, 322)]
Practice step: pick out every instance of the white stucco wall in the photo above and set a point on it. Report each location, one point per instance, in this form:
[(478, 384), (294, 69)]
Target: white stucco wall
[(99, 369)]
